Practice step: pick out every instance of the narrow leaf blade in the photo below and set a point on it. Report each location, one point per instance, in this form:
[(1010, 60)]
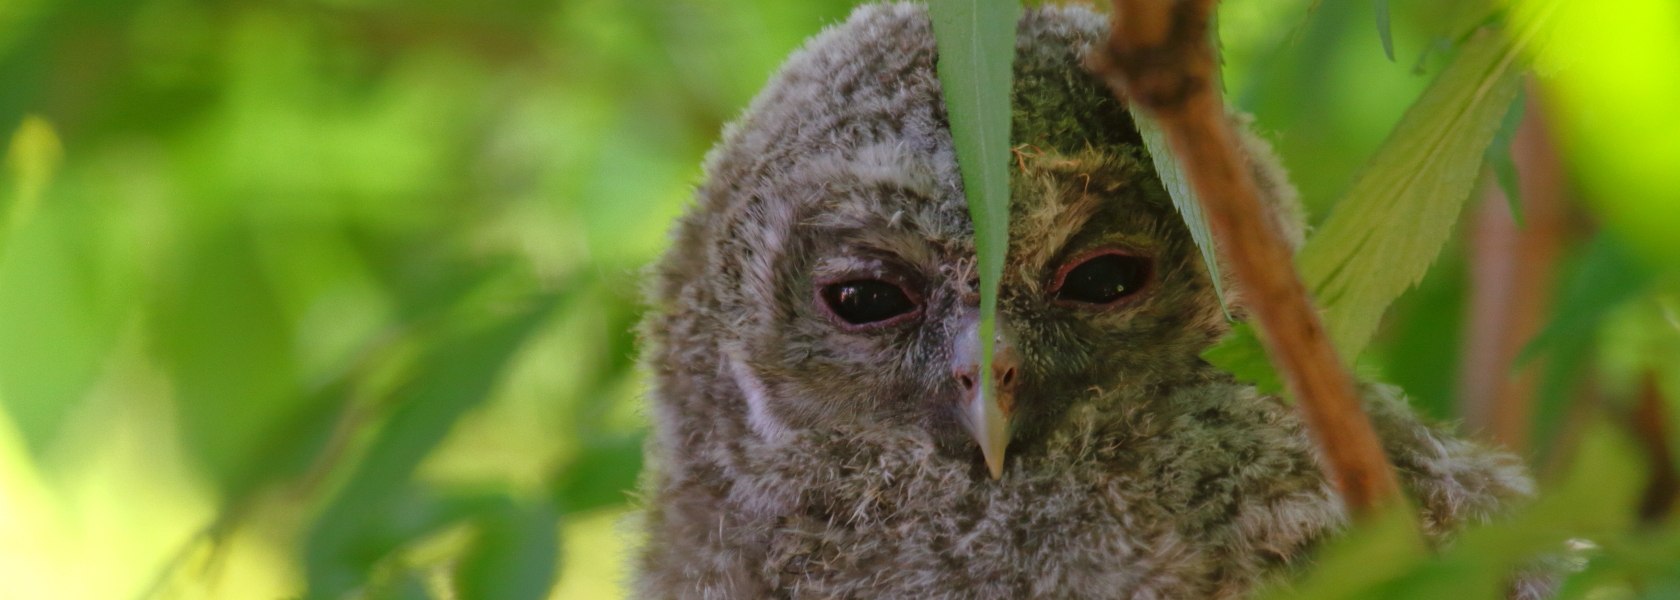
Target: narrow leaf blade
[(1384, 31), (1183, 197), (976, 42), (1498, 157)]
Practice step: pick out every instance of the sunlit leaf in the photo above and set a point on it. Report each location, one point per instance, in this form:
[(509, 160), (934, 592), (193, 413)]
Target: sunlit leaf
[(1392, 223), (1611, 89), (1183, 197), (58, 330), (31, 160), (1398, 214), (976, 40)]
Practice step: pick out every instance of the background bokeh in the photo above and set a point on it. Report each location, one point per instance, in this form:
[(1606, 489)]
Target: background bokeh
[(335, 293)]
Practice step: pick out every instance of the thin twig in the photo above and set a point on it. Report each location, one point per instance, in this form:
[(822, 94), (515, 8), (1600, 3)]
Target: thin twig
[(1158, 59), (1649, 422)]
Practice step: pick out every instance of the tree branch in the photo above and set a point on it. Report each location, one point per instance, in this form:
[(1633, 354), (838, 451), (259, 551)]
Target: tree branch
[(1158, 59)]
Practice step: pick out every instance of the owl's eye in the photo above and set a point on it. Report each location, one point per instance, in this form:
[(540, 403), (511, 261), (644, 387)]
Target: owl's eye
[(1101, 279), (867, 301)]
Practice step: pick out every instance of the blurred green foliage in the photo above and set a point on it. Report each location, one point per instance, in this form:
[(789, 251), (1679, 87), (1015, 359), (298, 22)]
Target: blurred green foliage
[(322, 295)]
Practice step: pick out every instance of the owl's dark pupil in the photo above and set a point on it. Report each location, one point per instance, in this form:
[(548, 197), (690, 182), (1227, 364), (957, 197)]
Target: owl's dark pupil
[(1104, 279), (866, 301)]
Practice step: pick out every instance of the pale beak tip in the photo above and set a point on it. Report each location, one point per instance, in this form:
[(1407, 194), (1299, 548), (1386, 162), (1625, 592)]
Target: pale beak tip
[(989, 425)]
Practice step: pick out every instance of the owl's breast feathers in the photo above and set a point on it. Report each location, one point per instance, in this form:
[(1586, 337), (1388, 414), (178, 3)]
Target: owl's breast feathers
[(1201, 492)]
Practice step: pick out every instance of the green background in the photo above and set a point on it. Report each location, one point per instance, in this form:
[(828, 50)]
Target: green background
[(342, 292)]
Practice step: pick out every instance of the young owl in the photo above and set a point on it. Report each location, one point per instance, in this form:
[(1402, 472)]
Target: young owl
[(821, 427)]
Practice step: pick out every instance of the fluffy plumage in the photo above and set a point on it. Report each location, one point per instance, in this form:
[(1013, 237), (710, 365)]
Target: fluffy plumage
[(797, 457)]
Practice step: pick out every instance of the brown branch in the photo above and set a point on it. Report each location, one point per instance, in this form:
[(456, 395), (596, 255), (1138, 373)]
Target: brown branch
[(1511, 277), (1159, 59)]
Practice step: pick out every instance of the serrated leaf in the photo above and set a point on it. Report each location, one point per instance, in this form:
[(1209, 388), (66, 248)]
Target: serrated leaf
[(1498, 157), (976, 41), (1400, 210), (1241, 355), (1183, 197)]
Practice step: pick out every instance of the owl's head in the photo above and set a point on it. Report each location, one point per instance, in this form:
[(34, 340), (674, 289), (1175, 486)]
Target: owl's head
[(826, 277)]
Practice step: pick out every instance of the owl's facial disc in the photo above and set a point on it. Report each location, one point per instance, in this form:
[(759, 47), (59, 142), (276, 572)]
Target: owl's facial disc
[(986, 406)]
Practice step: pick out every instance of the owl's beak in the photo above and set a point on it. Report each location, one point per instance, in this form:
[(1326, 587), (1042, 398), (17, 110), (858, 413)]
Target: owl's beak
[(987, 405)]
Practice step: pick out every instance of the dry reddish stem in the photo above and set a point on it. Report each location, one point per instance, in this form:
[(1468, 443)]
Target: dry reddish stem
[(1511, 273), (1158, 58)]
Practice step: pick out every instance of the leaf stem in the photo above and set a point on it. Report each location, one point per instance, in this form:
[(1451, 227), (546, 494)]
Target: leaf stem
[(1158, 59)]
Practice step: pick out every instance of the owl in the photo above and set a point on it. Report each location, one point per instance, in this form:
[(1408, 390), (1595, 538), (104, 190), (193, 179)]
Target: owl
[(822, 426)]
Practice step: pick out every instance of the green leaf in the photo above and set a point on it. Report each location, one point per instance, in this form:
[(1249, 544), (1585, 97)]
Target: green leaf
[(1382, 559), (1421, 352), (1498, 157), (1384, 31), (1349, 566), (32, 158), (602, 475), (976, 41), (224, 336), (1400, 210), (455, 375), (1609, 275), (64, 307), (56, 340), (1241, 355), (1183, 197), (406, 585), (515, 556)]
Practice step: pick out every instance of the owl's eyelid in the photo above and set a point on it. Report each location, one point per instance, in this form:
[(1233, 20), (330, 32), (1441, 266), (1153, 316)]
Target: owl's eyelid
[(1078, 260), (910, 293)]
